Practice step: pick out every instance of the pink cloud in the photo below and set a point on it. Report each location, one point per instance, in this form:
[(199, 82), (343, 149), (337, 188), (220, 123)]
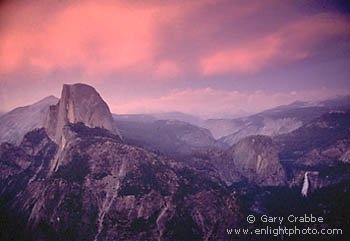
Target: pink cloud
[(290, 43), (97, 37), (167, 69), (249, 58)]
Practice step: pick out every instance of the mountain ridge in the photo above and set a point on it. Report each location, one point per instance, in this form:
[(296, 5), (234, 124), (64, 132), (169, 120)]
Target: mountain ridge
[(13, 127), (93, 185)]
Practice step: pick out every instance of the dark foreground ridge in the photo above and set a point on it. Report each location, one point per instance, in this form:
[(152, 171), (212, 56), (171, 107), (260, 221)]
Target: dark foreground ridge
[(106, 190)]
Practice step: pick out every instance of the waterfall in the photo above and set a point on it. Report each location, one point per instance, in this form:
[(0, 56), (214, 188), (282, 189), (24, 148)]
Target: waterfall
[(305, 187)]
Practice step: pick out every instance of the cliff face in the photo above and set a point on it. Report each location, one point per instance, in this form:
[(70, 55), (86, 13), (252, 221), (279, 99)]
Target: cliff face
[(253, 159), (78, 103), (256, 158)]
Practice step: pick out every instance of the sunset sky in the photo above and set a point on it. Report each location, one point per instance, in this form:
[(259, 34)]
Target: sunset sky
[(205, 57)]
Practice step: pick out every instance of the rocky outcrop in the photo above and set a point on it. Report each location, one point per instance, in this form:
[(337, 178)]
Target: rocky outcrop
[(256, 158), (217, 165), (252, 160), (78, 103)]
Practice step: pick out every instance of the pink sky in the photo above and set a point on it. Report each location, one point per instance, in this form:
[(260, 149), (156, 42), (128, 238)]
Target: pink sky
[(202, 57)]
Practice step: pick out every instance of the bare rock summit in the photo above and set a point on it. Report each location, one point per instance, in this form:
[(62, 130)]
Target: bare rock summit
[(78, 103)]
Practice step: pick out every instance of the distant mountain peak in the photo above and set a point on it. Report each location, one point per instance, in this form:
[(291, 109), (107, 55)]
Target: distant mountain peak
[(50, 97), (78, 103), (47, 100), (17, 122)]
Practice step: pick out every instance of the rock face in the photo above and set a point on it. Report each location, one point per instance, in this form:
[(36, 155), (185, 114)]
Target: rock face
[(256, 158), (16, 123), (78, 103), (252, 160)]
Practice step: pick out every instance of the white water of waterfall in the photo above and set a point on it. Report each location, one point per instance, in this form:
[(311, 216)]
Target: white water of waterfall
[(305, 187)]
